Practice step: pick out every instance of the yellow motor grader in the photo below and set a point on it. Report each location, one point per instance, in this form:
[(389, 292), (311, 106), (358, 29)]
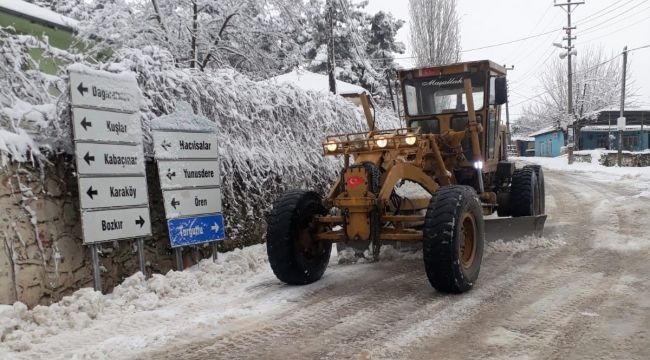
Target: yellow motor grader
[(453, 147)]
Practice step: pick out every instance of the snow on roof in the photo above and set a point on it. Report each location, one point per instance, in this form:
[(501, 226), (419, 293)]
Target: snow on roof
[(607, 128), (544, 131), (627, 108), (522, 138), (310, 81), (37, 13)]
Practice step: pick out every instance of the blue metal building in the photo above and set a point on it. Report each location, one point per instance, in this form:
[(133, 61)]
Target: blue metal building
[(635, 137), (548, 142)]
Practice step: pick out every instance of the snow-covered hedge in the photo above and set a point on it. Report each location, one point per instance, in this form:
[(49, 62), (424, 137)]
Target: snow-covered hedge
[(270, 135)]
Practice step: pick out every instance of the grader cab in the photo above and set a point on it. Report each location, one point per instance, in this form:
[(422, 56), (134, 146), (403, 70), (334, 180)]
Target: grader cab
[(453, 147)]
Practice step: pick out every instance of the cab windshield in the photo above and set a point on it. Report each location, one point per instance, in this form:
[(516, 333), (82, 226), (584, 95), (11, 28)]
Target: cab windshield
[(443, 94)]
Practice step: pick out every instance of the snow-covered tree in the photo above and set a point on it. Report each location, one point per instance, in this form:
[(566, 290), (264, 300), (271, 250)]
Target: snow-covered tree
[(253, 36), (28, 97), (435, 33), (597, 85), (364, 45)]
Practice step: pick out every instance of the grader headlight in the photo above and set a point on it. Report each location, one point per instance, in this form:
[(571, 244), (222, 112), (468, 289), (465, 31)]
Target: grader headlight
[(381, 142), (411, 140), (331, 146)]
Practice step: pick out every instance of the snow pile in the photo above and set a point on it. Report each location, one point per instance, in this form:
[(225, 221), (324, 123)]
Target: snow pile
[(20, 327), (524, 244)]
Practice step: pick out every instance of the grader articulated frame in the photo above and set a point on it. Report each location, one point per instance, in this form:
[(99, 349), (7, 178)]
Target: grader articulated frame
[(454, 148)]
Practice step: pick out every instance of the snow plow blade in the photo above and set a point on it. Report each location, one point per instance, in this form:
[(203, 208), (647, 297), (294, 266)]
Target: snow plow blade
[(510, 229)]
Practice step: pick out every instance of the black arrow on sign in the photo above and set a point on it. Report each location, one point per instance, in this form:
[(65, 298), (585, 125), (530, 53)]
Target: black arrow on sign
[(91, 192), (82, 89), (174, 203), (170, 174), (166, 145), (140, 222), (89, 158), (86, 124)]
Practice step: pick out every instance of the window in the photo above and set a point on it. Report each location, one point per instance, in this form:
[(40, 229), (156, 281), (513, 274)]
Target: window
[(493, 91), (444, 94), (549, 147), (427, 126), (411, 100), (492, 132), (630, 142), (459, 123)]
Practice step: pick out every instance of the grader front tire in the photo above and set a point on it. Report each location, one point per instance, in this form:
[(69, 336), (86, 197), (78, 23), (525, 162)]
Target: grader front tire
[(453, 239), (295, 255)]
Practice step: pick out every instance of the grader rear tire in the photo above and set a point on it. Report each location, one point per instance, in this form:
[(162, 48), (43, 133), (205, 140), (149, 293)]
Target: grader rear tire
[(296, 257), (453, 239), (539, 172), (525, 193)]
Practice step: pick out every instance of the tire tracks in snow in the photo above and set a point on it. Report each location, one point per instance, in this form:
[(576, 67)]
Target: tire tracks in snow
[(551, 303)]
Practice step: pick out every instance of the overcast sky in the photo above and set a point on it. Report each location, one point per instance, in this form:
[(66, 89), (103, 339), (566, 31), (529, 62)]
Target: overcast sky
[(487, 22)]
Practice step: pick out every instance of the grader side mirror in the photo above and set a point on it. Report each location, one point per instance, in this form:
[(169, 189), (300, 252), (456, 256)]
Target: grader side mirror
[(501, 91)]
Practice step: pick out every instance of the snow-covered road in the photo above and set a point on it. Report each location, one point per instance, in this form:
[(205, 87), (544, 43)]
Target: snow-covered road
[(582, 292)]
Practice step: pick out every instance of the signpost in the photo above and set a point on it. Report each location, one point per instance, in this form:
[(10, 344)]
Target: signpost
[(189, 202), (99, 125), (183, 173), (110, 161), (188, 167)]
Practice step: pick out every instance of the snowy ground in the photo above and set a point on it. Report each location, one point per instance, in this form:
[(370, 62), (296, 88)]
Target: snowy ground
[(580, 292), (635, 177)]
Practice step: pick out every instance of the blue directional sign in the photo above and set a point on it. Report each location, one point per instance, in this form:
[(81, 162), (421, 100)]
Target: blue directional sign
[(196, 230)]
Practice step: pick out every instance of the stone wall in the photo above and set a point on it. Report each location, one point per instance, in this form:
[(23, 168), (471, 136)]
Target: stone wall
[(42, 256), (627, 159)]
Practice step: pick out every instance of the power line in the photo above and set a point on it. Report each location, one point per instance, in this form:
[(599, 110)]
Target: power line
[(548, 9), (614, 17), (616, 31), (512, 41), (579, 72), (593, 16)]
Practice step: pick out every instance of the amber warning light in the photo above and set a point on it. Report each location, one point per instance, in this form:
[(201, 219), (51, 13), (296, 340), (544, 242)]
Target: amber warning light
[(429, 72)]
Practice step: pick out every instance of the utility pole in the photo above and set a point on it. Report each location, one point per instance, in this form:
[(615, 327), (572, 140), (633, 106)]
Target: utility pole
[(568, 7), (331, 62), (621, 119), (508, 135)]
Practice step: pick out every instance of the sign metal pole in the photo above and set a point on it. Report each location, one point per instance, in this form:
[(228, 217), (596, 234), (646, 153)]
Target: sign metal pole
[(215, 254), (141, 262), (94, 254), (179, 258)]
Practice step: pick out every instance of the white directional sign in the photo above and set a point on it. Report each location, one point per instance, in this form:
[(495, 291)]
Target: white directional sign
[(98, 125), (110, 159), (185, 145), (105, 192), (183, 174), (105, 159), (188, 168), (104, 90), (190, 202), (115, 224)]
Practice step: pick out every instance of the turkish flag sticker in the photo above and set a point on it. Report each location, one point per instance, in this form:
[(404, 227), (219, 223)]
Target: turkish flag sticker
[(354, 181)]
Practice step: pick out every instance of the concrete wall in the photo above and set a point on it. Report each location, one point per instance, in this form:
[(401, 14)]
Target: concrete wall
[(549, 144), (42, 257)]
